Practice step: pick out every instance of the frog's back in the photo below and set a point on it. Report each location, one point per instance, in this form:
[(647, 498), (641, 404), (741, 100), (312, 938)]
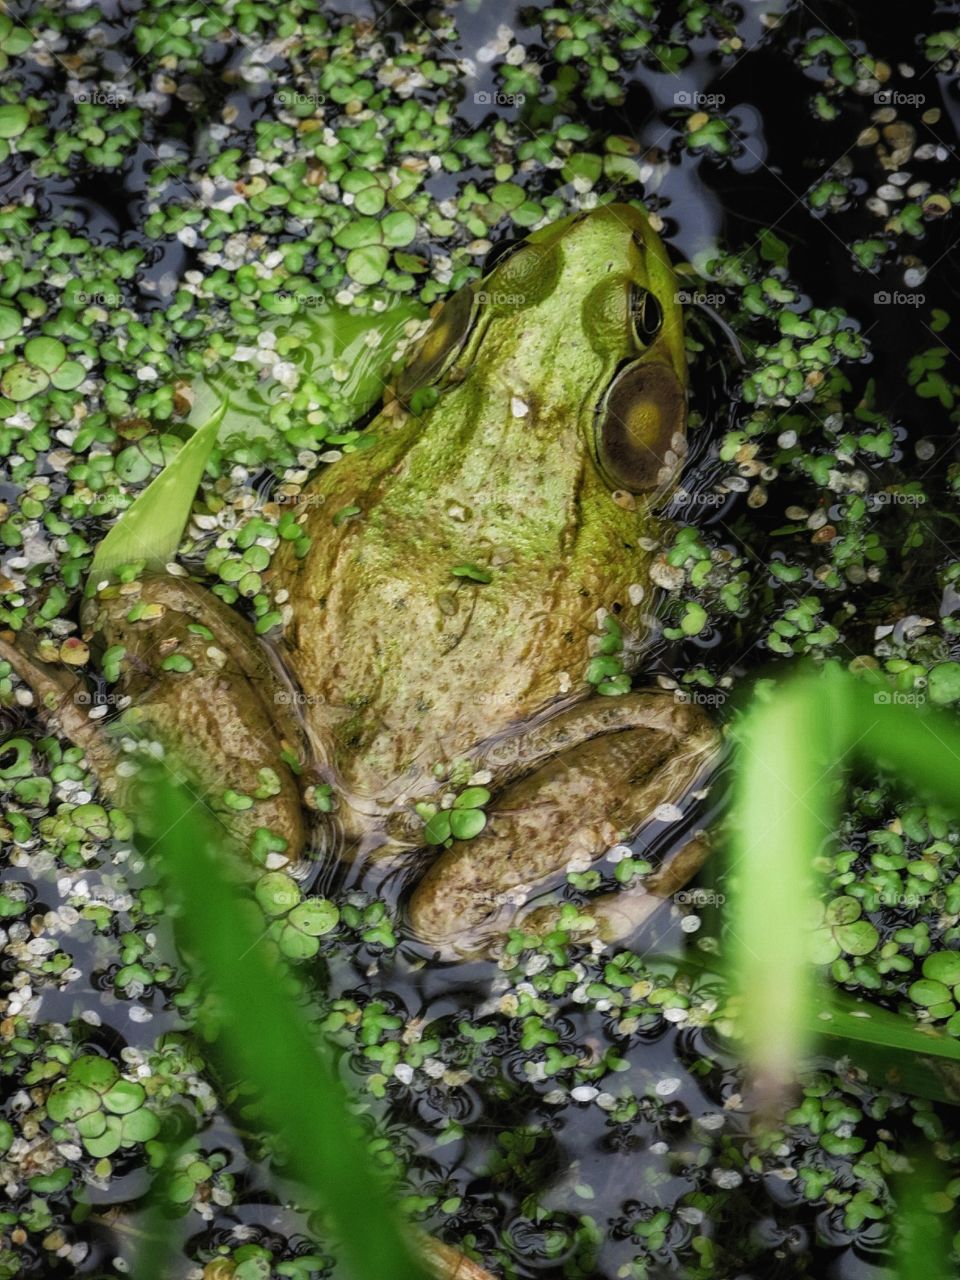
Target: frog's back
[(443, 613)]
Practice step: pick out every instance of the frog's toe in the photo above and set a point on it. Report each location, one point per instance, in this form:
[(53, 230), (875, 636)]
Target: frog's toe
[(63, 702), (615, 916)]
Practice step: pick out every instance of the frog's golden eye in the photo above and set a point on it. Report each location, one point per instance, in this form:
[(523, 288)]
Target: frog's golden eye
[(646, 314), (640, 427), (440, 344)]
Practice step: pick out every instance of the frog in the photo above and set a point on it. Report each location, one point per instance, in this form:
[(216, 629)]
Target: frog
[(466, 605)]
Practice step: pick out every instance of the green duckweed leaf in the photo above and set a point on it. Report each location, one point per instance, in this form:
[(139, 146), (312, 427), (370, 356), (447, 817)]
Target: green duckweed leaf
[(45, 353), (22, 381), (466, 823), (14, 120)]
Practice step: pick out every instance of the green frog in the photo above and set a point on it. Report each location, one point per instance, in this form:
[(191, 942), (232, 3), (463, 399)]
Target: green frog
[(464, 601)]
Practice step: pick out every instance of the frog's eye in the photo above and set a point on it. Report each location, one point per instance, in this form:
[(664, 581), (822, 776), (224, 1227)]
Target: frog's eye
[(640, 427), (646, 314), (440, 344)]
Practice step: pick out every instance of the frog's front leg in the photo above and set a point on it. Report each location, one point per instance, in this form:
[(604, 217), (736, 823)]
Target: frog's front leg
[(616, 761)]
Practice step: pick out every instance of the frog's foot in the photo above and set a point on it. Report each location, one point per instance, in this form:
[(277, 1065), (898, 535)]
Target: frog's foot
[(447, 1263), (613, 917), (63, 701), (619, 760)]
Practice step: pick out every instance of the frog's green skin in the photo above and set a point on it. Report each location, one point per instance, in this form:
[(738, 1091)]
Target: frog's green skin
[(409, 664), (400, 667)]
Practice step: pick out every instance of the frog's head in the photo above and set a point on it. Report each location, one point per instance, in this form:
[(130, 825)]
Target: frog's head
[(580, 325)]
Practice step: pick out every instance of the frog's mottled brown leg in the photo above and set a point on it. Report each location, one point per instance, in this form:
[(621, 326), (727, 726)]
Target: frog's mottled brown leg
[(200, 684), (646, 749)]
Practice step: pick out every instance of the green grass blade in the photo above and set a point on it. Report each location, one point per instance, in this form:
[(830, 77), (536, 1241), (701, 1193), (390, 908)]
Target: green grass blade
[(794, 747), (895, 1051), (783, 810), (921, 748), (840, 1014), (265, 1040), (156, 1255), (923, 1222), (151, 528)]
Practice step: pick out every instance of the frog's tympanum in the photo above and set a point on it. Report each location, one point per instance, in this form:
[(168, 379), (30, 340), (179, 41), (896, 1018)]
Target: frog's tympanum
[(466, 601)]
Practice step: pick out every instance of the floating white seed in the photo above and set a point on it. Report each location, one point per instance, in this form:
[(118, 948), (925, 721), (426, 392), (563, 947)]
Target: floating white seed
[(667, 813), (669, 1085), (584, 1093), (712, 1120)]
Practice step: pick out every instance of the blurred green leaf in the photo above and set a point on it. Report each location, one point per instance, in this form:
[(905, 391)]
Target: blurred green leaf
[(796, 744), (265, 1040), (924, 1222)]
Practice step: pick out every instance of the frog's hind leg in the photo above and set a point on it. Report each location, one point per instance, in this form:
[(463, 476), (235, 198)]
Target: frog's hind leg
[(200, 685), (616, 764)]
